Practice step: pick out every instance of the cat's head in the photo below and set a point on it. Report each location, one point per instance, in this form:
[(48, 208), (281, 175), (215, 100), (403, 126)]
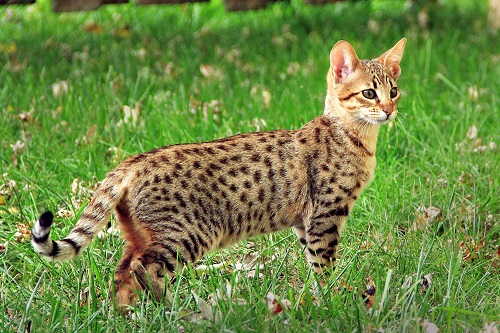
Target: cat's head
[(363, 91)]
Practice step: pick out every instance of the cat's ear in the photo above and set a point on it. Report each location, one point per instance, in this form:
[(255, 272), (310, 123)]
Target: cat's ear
[(343, 61), (392, 58)]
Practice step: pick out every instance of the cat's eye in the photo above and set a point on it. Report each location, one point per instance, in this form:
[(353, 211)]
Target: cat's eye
[(369, 93), (394, 92)]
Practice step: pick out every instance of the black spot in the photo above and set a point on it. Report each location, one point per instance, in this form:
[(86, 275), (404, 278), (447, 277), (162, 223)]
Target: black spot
[(222, 180), (262, 195), (339, 211), (257, 176), (245, 170), (332, 230), (55, 249), (210, 150), (333, 243), (255, 158)]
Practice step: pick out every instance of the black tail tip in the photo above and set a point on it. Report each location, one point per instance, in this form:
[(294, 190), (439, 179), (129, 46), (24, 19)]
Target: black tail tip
[(46, 219)]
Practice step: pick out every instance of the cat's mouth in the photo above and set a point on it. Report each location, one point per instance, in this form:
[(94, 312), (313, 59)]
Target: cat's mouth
[(380, 118)]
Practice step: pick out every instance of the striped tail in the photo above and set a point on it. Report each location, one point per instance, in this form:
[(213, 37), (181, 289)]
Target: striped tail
[(93, 220)]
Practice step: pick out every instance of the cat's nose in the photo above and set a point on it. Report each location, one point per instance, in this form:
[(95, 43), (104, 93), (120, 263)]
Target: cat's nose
[(388, 109)]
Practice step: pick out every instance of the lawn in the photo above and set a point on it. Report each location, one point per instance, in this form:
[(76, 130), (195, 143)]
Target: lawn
[(80, 92)]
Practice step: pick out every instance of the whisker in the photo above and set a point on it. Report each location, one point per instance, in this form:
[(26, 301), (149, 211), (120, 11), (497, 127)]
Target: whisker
[(404, 129)]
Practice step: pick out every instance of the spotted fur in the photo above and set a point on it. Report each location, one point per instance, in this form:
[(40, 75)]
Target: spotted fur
[(174, 204)]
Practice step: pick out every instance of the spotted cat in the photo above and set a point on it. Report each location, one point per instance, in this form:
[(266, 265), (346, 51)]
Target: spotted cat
[(174, 204)]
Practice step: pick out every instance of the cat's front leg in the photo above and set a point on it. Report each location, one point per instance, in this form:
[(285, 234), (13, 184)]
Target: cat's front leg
[(322, 237)]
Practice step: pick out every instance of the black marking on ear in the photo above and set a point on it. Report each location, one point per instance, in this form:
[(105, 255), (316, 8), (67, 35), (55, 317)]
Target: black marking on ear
[(55, 249), (46, 219)]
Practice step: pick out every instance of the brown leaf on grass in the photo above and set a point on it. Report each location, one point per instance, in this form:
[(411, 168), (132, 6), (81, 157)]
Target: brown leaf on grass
[(369, 292), (27, 116), (18, 147), (23, 233), (470, 248), (9, 48), (86, 296), (3, 246), (207, 310), (266, 98), (429, 327), (276, 305), (65, 213), (426, 216), (123, 32), (210, 72), (373, 26), (130, 115), (490, 328), (59, 89), (425, 282), (88, 137), (93, 28), (259, 124), (474, 143)]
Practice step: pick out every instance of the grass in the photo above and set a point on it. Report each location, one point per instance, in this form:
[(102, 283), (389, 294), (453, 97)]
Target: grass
[(436, 158)]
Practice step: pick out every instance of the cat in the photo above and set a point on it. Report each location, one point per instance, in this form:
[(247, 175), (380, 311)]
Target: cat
[(174, 204)]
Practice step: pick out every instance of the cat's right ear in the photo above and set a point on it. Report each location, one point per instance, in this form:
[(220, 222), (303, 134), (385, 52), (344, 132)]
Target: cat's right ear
[(343, 61)]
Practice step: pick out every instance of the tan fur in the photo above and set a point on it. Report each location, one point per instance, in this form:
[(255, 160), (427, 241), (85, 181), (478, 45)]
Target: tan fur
[(176, 203)]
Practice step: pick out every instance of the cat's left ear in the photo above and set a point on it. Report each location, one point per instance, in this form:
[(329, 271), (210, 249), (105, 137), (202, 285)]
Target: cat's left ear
[(392, 58)]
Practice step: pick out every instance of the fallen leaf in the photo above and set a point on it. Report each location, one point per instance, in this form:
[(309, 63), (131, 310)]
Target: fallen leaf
[(470, 248), (210, 72), (3, 199), (65, 213), (27, 116), (266, 98), (88, 137), (23, 232), (274, 305), (490, 328), (426, 281), (373, 26), (472, 132), (59, 89), (206, 309), (122, 32), (9, 48), (93, 28), (429, 327), (425, 217), (131, 114), (369, 293), (18, 147)]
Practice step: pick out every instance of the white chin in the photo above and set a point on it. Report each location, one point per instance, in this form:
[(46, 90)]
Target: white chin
[(382, 120)]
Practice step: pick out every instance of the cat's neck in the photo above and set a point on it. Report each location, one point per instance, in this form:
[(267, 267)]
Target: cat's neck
[(366, 133)]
